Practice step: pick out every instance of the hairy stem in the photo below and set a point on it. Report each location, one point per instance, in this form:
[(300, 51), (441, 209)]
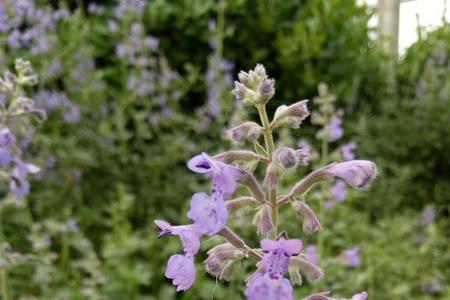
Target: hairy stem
[(234, 204), (250, 182), (237, 242), (268, 139)]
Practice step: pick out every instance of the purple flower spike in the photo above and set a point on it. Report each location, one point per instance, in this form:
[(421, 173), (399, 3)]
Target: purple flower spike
[(209, 214), (360, 296), (262, 287), (348, 151), (357, 173), (189, 235), (224, 176), (181, 270)]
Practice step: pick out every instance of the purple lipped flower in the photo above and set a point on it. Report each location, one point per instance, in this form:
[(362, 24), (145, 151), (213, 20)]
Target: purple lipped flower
[(224, 176), (352, 257), (357, 173), (181, 269), (338, 191), (334, 129), (208, 213), (268, 283), (19, 185), (348, 151), (262, 287), (189, 235), (277, 255)]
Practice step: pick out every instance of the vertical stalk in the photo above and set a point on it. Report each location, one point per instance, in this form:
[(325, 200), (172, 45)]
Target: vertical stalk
[(268, 139), (323, 160), (4, 284)]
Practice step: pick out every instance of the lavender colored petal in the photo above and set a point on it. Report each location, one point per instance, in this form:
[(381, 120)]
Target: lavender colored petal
[(189, 235), (262, 287), (181, 270), (360, 296), (209, 214)]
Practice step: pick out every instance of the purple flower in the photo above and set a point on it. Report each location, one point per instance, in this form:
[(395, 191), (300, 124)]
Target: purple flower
[(208, 213), (351, 257), (348, 151), (6, 138), (73, 225), (224, 176), (14, 39), (357, 173), (262, 287), (189, 235), (181, 270), (277, 255), (338, 191), (268, 283), (19, 185), (5, 157), (334, 129)]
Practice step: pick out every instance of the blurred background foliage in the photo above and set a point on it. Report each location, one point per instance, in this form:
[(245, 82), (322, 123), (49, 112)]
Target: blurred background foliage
[(132, 94)]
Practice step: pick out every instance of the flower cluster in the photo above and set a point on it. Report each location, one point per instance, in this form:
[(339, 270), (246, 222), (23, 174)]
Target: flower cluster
[(14, 110), (280, 262)]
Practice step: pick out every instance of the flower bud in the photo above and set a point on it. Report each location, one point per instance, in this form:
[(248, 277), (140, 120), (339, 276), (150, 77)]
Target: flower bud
[(287, 157), (263, 219), (312, 272), (249, 131), (290, 116), (303, 155), (223, 260), (7, 82), (271, 179), (267, 89), (356, 173), (311, 223)]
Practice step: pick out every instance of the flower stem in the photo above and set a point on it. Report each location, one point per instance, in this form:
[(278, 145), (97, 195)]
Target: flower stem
[(268, 139), (324, 160), (236, 241)]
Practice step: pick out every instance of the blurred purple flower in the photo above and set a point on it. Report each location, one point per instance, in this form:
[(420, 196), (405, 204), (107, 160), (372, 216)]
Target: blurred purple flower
[(352, 257), (19, 185), (311, 254), (348, 151), (338, 191), (334, 129)]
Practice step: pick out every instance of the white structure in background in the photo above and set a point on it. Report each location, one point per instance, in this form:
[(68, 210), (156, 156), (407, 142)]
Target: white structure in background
[(428, 14)]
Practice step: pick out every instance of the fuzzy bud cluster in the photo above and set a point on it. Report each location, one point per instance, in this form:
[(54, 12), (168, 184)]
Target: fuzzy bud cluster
[(254, 87)]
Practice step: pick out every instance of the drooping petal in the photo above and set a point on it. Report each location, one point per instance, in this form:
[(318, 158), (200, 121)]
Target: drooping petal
[(262, 287), (189, 235), (209, 215), (181, 270), (357, 173)]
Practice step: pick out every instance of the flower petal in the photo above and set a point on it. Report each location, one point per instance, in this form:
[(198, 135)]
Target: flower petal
[(181, 270)]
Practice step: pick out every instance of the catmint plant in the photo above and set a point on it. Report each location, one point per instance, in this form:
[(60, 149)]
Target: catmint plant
[(15, 112), (279, 262)]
